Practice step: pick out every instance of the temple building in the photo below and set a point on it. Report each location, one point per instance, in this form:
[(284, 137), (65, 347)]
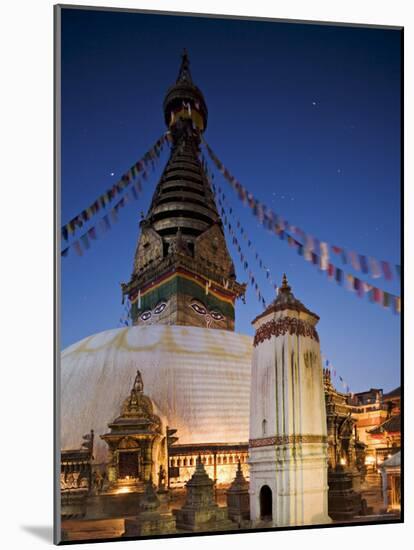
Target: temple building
[(344, 446), (378, 423), (192, 420)]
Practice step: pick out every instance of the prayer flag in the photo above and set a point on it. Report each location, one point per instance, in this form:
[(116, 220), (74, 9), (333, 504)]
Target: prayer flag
[(92, 233), (396, 304), (386, 270), (375, 268), (354, 260), (85, 241), (364, 263), (339, 275), (359, 287), (106, 225), (378, 295), (64, 252), (78, 248)]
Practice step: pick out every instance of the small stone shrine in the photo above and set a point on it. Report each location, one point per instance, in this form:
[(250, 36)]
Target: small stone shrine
[(200, 512), (238, 504), (343, 502), (150, 521), (135, 440)]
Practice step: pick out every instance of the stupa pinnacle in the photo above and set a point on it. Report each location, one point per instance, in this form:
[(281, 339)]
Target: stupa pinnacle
[(183, 273)]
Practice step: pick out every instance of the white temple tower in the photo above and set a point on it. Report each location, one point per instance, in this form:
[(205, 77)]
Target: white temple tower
[(288, 442)]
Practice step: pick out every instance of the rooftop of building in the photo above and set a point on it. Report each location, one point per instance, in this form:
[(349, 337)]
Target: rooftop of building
[(285, 300)]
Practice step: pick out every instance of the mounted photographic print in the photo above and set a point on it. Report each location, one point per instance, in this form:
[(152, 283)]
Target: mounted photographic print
[(228, 274)]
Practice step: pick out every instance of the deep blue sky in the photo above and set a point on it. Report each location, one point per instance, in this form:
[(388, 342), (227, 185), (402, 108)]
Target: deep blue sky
[(307, 117)]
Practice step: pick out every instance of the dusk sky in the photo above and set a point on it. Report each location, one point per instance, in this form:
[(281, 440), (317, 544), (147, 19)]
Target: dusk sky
[(307, 117)]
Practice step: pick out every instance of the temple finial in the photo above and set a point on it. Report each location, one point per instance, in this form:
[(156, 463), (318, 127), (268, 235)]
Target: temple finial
[(184, 72), (138, 383), (285, 285)]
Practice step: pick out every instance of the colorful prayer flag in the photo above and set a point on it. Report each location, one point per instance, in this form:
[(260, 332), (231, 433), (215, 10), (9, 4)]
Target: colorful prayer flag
[(364, 263), (85, 241), (354, 260), (386, 270), (78, 249), (339, 275), (374, 267)]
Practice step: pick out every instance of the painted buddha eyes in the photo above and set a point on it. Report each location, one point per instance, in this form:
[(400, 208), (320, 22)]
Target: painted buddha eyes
[(198, 308), (216, 315), (146, 315), (202, 310), (160, 308), (156, 311)]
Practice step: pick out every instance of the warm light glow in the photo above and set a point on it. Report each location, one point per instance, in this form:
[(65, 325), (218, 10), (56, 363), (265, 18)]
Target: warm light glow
[(343, 461), (123, 490), (369, 460)]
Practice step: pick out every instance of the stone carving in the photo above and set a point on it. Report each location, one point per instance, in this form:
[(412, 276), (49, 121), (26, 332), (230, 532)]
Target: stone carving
[(287, 325), (287, 440)]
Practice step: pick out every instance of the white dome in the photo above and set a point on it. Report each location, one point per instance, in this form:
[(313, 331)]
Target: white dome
[(198, 378)]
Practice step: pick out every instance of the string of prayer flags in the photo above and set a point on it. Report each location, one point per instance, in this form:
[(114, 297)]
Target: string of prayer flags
[(317, 252), (103, 225), (221, 197), (244, 262), (274, 222), (139, 167)]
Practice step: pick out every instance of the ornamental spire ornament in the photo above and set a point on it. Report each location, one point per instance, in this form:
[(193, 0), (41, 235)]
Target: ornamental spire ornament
[(184, 72)]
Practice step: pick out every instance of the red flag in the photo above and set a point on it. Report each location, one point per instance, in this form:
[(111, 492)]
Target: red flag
[(378, 295)]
